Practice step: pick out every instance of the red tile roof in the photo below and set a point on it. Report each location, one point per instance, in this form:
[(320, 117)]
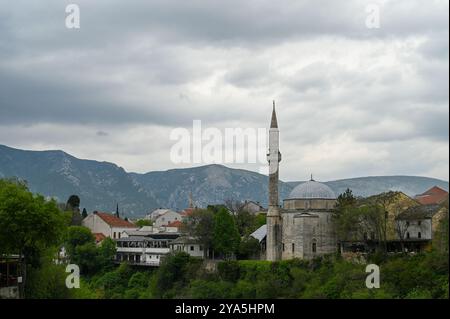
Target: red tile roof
[(99, 237), (114, 221), (175, 223), (187, 212), (434, 195)]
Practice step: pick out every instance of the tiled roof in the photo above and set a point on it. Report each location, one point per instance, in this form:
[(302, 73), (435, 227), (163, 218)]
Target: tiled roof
[(99, 237), (434, 195), (187, 212), (114, 221), (419, 212), (175, 223)]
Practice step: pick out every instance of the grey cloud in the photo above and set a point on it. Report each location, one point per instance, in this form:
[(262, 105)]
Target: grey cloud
[(101, 133), (169, 62)]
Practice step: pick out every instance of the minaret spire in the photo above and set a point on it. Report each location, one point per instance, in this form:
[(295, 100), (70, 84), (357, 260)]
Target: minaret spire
[(117, 210), (274, 222), (274, 122)]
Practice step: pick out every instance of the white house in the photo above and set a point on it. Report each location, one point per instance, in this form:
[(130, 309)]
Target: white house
[(156, 213), (107, 224), (416, 223), (188, 245), (166, 218), (144, 248)]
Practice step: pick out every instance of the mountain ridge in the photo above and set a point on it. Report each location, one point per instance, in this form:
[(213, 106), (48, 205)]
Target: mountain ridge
[(101, 184)]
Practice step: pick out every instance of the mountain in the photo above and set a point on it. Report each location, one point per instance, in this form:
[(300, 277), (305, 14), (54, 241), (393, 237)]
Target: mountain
[(101, 185), (210, 184)]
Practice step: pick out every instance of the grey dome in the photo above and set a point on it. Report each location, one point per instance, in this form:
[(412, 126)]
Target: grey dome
[(310, 190)]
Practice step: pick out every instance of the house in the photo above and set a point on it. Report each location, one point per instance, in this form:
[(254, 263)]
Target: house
[(99, 237), (189, 245), (414, 227), (168, 217), (434, 195), (107, 224), (144, 248), (10, 278), (253, 207), (156, 213), (187, 212), (261, 234), (176, 223)]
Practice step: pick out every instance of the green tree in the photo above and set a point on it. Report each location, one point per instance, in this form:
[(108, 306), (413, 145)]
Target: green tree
[(73, 202), (226, 235), (200, 224), (248, 247), (28, 223), (143, 222), (246, 222), (84, 214), (48, 281), (106, 253), (172, 270), (77, 236), (345, 200)]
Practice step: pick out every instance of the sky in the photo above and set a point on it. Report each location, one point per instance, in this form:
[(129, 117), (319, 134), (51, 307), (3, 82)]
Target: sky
[(351, 100)]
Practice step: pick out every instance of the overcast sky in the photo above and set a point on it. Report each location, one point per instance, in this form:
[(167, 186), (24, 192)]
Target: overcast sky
[(351, 101)]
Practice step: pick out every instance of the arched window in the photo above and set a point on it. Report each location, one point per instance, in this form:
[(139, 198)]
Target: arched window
[(419, 235), (314, 246), (293, 247)]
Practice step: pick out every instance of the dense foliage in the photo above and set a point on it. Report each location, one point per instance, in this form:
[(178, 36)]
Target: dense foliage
[(38, 229), (420, 276)]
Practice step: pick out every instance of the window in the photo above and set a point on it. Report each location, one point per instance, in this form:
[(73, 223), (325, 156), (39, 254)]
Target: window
[(407, 235), (293, 247), (314, 247), (283, 246), (119, 235), (419, 222), (419, 235), (114, 235), (201, 248), (192, 248)]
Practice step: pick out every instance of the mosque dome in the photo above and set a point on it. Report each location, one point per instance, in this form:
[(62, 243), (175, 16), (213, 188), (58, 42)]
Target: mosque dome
[(312, 190)]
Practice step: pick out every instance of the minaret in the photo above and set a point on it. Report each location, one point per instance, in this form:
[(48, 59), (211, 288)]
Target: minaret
[(273, 250), (117, 211), (191, 201)]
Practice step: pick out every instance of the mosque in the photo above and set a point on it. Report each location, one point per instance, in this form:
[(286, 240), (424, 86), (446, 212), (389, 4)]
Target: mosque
[(303, 226)]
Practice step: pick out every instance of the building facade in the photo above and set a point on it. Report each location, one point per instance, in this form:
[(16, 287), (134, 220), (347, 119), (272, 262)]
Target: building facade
[(166, 218), (303, 227), (107, 224)]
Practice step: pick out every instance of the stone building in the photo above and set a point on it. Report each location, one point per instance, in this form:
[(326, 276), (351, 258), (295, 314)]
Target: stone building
[(302, 228), (307, 221)]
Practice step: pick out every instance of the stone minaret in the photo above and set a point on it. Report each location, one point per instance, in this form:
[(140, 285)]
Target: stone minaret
[(273, 250)]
